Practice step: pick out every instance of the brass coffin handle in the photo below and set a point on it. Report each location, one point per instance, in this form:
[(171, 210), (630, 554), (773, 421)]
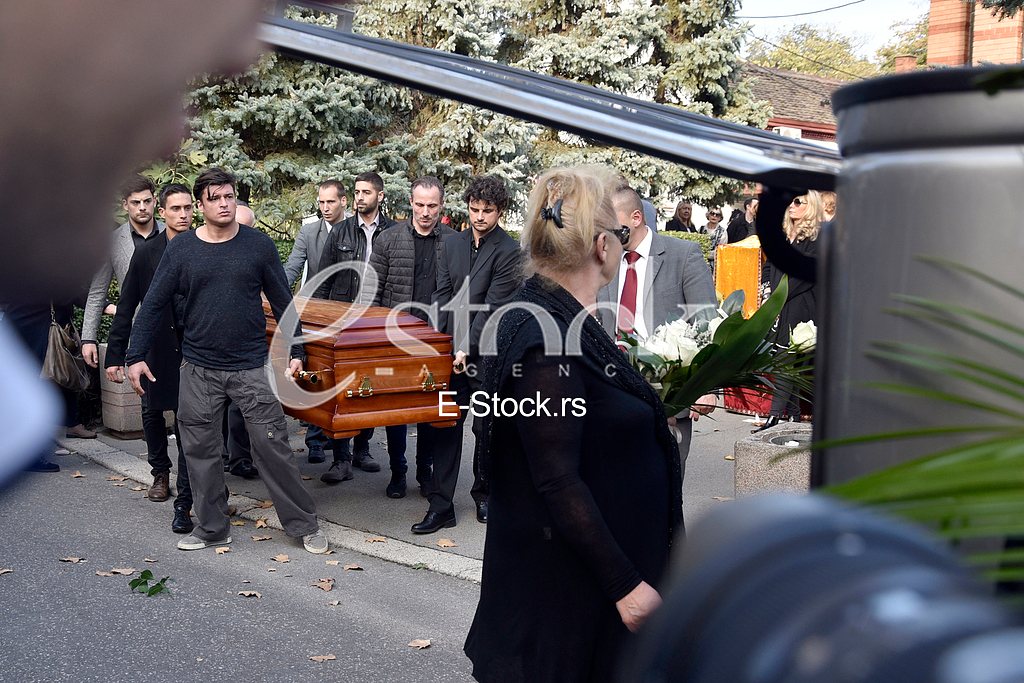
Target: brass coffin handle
[(311, 377), (365, 389)]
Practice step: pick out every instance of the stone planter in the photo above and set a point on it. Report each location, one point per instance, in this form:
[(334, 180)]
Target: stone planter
[(754, 471)]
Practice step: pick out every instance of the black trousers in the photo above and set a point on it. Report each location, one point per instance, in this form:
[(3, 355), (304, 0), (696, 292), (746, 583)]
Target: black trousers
[(448, 452), (155, 429)]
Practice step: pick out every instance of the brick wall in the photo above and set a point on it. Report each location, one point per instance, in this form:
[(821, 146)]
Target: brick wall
[(951, 30)]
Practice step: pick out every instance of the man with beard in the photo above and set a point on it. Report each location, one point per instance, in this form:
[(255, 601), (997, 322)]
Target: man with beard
[(478, 271), (352, 241), (405, 259), (220, 270), (164, 356)]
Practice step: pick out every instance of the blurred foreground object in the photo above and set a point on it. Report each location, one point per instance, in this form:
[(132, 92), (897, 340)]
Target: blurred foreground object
[(800, 588)]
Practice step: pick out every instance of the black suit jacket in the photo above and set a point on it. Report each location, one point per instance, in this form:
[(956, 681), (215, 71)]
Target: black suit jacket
[(164, 357), (493, 280)]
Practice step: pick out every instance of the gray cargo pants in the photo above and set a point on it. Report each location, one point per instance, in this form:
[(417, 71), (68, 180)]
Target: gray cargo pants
[(202, 398)]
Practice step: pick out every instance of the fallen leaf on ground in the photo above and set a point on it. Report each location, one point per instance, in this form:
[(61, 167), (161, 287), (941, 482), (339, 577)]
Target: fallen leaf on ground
[(419, 565), (120, 483), (447, 543), (352, 567), (5, 571), (420, 644), (324, 584), (125, 571), (377, 539), (301, 431), (261, 523), (721, 499), (271, 569), (329, 552), (334, 602), (281, 558), (730, 457), (139, 488), (306, 478), (238, 522), (249, 594), (72, 560), (98, 573), (143, 454), (116, 478), (149, 560), (322, 658), (221, 551), (334, 562), (246, 581), (299, 450), (261, 538), (77, 474), (265, 504)]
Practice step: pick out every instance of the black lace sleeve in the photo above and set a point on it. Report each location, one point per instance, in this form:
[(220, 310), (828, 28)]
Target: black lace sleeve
[(554, 449)]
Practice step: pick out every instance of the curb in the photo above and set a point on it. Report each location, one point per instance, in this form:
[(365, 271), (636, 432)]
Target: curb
[(391, 550)]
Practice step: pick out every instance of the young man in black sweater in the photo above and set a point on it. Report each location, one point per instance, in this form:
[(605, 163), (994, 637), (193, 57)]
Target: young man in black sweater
[(220, 269)]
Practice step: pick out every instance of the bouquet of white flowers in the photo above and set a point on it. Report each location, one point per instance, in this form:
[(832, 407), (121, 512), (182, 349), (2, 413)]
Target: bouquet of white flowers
[(685, 361)]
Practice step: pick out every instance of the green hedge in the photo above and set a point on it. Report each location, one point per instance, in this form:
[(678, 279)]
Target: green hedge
[(700, 238)]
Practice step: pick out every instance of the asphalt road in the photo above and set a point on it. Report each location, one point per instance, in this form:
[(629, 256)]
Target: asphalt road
[(63, 622)]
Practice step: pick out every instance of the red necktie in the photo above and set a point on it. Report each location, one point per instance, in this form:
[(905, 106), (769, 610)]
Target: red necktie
[(627, 303)]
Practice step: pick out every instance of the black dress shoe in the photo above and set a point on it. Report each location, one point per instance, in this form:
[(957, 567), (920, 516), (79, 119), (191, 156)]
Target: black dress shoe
[(481, 511), (245, 470), (182, 523), (43, 465), (316, 455), (768, 424), (434, 522)]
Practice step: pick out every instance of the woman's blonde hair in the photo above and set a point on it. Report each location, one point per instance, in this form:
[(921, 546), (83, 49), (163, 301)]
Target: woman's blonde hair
[(809, 225), (586, 208)]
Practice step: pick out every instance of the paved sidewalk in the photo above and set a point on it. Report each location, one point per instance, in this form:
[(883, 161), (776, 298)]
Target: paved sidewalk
[(353, 511)]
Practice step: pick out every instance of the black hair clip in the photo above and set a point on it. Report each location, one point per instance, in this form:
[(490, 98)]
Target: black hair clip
[(553, 214)]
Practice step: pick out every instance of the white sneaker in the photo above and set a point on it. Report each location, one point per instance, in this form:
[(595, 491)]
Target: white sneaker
[(315, 542), (191, 542)]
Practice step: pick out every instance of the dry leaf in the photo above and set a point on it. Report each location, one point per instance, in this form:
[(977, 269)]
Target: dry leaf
[(281, 558), (271, 569), (324, 584), (352, 567), (5, 571), (322, 658), (334, 562), (265, 504), (301, 431), (377, 539), (249, 594), (238, 523), (199, 659), (261, 523), (306, 478), (300, 449), (120, 483), (125, 571), (329, 552), (261, 538), (720, 498), (77, 474), (420, 644), (139, 488), (142, 455), (334, 602), (730, 457), (447, 543), (149, 560), (221, 551), (72, 560), (246, 581), (116, 478), (104, 573)]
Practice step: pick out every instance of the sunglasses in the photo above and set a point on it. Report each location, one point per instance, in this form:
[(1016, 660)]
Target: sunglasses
[(799, 202), (715, 214), (622, 233)]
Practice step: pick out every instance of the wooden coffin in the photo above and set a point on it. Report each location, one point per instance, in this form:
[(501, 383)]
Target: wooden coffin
[(370, 367)]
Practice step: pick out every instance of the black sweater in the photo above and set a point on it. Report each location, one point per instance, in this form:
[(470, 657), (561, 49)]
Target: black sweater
[(222, 312)]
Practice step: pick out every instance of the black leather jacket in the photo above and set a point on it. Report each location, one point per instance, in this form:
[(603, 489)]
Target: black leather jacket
[(347, 242)]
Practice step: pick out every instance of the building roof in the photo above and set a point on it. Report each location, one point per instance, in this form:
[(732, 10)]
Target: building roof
[(795, 96)]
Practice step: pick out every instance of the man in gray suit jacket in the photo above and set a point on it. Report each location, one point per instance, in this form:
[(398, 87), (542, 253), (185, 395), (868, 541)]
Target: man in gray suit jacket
[(671, 280), (139, 200), (309, 244)]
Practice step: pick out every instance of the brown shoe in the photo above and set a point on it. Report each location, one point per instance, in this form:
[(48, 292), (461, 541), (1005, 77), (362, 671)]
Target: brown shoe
[(161, 488), (79, 432)]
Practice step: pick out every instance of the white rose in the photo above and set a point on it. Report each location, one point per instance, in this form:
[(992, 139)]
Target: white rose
[(687, 349), (713, 326), (804, 337), (662, 348)]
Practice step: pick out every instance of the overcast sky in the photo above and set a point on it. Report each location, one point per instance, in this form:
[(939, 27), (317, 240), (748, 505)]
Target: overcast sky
[(868, 18)]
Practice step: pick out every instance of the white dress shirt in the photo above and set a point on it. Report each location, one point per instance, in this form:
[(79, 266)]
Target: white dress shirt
[(368, 230), (644, 249)]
